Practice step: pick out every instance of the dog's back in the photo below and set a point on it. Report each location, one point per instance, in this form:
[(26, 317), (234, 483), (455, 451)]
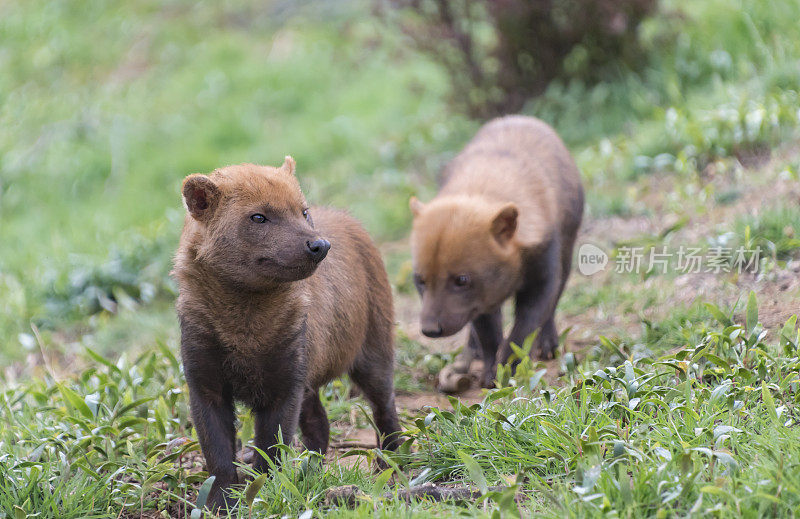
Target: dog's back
[(522, 160)]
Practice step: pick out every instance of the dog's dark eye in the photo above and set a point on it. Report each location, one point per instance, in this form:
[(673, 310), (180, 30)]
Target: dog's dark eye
[(258, 218), (308, 218), (462, 280), (419, 282)]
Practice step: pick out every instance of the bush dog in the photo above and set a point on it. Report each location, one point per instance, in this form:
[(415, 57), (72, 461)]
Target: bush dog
[(265, 321), (504, 223)]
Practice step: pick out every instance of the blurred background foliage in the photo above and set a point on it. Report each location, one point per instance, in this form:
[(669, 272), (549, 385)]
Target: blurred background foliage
[(105, 107), (501, 53)]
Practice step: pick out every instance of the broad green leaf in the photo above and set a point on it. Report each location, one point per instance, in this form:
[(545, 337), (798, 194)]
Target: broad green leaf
[(289, 485), (253, 488), (136, 403), (570, 363), (93, 402), (475, 472), (727, 459), (720, 391), (611, 346), (75, 401), (518, 353), (559, 430), (498, 393), (725, 429), (588, 479), (629, 374), (718, 314), (356, 452), (787, 339), (381, 480), (718, 362), (421, 477), (168, 354), (205, 489), (527, 344), (534, 381), (386, 457), (769, 402), (619, 449), (102, 360)]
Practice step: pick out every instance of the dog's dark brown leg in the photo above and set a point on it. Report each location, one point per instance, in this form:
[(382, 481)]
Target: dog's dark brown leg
[(377, 383), (212, 412), (488, 330), (314, 423), (283, 417), (214, 423), (536, 303)]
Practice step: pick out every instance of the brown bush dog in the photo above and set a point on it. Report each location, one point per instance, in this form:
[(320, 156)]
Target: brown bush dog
[(265, 321), (503, 224)]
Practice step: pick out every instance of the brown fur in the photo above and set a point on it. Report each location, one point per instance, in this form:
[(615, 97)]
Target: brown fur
[(264, 324), (506, 218)]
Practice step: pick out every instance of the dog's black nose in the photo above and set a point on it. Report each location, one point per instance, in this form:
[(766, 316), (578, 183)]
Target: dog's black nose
[(318, 249), (433, 332)]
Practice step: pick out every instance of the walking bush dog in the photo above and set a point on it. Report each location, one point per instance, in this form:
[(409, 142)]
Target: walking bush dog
[(270, 310), (503, 224)]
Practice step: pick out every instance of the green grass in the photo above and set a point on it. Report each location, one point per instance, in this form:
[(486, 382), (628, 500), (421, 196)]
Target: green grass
[(776, 230), (710, 427)]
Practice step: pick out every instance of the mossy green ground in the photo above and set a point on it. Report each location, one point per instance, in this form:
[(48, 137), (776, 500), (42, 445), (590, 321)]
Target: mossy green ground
[(659, 404)]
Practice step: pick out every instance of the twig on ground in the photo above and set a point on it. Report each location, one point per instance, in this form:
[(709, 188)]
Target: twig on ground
[(346, 444)]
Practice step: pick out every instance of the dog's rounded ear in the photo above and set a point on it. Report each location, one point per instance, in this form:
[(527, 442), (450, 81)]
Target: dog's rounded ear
[(200, 196), (504, 224), (415, 205), (288, 165)]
